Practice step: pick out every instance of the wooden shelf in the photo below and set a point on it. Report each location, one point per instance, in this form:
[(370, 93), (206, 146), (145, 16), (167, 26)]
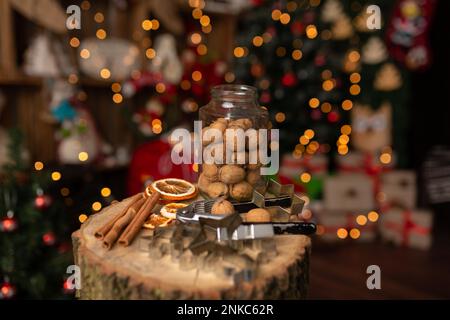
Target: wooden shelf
[(20, 80)]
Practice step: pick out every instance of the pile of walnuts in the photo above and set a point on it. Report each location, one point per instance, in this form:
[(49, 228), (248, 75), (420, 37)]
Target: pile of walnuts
[(235, 180)]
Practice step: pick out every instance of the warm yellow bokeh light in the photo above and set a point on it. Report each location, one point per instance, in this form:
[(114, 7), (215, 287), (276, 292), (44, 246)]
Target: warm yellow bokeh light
[(85, 54), (105, 192), (303, 140), (355, 89), (202, 49), (355, 77), (385, 158), (276, 14), (285, 18), (326, 107), (100, 34), (311, 31), (185, 84), (314, 103), (258, 41), (155, 24), (297, 54), (105, 73), (38, 166), (160, 87), (328, 85), (305, 177), (82, 218), (361, 220), (56, 176), (197, 13), (343, 149), (150, 53), (83, 156), (196, 38), (74, 42), (309, 133), (205, 20), (96, 206), (146, 25), (239, 52), (280, 117), (347, 105), (346, 129), (197, 75), (116, 87), (99, 17), (342, 233), (372, 216), (117, 98), (354, 56), (355, 233), (343, 139)]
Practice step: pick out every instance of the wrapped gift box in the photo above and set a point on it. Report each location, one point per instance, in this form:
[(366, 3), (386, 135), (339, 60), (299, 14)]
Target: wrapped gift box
[(292, 168), (356, 161), (399, 188), (407, 227), (349, 192), (330, 221)]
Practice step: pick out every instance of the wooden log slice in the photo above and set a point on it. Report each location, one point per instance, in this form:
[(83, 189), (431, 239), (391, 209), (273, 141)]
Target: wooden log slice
[(130, 273)]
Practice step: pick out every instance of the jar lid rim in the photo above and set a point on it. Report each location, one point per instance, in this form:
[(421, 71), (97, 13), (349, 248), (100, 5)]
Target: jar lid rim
[(234, 89)]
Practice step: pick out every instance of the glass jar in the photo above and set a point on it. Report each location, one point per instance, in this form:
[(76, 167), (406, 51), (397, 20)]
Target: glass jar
[(234, 170)]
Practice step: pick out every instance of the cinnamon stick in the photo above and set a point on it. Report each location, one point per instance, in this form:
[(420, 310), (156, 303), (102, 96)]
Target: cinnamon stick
[(135, 226), (111, 237), (101, 232)]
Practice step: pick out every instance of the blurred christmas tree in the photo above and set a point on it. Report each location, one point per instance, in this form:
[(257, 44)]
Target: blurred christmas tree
[(315, 62), (34, 247)]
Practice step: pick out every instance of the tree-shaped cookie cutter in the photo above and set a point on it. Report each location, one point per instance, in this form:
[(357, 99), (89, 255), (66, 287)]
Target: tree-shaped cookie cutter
[(279, 191)]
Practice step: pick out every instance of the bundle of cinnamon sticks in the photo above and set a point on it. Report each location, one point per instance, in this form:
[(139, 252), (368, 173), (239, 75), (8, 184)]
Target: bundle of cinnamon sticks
[(124, 228)]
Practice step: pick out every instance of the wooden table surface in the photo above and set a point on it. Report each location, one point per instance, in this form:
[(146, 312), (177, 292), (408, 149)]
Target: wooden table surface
[(340, 272)]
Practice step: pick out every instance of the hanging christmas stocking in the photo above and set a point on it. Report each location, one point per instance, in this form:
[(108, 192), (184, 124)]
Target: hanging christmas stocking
[(408, 30)]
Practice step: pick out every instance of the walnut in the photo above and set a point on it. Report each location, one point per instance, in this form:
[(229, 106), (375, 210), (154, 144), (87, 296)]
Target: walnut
[(241, 191), (217, 190), (203, 183), (258, 215), (253, 176), (222, 206), (219, 125), (211, 171), (241, 123), (231, 174)]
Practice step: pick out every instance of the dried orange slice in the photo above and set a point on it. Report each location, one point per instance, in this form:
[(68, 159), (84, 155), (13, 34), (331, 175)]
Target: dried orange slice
[(173, 189), (170, 210), (157, 221)]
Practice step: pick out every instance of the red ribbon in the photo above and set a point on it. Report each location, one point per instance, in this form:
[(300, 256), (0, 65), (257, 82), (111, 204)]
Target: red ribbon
[(407, 227), (370, 168)]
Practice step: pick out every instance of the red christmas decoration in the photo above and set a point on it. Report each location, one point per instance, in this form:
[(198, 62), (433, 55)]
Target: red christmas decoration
[(333, 117), (49, 238), (289, 79), (297, 28), (8, 224), (42, 202), (265, 97), (7, 291), (67, 287)]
